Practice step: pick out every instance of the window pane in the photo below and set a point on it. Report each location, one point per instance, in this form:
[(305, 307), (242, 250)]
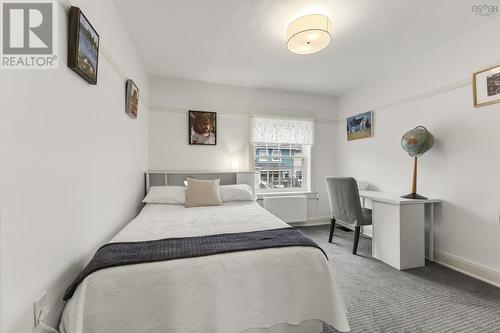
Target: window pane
[(278, 167)]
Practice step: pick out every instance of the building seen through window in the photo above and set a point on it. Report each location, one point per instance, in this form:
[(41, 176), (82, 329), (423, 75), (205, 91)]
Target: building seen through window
[(279, 166)]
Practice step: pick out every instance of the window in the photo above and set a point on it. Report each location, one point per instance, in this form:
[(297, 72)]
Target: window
[(281, 150), (279, 167)]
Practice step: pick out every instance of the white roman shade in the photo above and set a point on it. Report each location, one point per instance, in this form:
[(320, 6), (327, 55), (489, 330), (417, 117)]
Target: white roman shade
[(283, 131)]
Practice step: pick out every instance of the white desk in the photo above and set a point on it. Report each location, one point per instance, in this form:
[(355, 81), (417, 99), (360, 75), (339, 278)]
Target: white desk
[(398, 237)]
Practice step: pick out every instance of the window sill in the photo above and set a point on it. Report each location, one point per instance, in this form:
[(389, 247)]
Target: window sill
[(261, 195)]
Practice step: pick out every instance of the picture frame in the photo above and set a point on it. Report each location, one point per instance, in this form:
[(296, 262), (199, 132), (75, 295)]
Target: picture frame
[(132, 99), (202, 128), (360, 126), (83, 46), (486, 86)]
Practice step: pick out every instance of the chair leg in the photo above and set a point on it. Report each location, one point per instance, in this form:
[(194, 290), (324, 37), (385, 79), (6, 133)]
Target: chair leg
[(332, 229), (357, 230)]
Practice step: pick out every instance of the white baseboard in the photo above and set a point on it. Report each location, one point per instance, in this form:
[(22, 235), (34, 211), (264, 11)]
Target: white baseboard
[(467, 267)]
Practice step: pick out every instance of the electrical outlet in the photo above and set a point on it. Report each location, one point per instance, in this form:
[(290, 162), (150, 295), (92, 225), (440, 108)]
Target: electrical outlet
[(38, 307)]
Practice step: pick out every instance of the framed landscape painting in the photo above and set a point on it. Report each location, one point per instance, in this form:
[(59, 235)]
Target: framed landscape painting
[(486, 86), (83, 46), (360, 126), (202, 128)]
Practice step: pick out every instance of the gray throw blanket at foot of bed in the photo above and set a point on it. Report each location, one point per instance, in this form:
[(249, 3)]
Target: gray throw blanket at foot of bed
[(129, 253)]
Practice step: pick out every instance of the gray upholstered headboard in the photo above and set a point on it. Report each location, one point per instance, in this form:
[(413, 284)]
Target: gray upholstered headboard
[(163, 178)]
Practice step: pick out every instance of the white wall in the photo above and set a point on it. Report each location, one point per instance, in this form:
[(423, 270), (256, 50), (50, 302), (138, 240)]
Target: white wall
[(462, 168), (172, 98), (72, 168)]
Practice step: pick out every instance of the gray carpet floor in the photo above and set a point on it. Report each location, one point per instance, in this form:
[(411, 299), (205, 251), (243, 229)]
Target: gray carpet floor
[(380, 298)]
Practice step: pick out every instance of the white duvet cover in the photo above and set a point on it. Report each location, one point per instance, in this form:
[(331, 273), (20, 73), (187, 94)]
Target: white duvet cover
[(224, 293)]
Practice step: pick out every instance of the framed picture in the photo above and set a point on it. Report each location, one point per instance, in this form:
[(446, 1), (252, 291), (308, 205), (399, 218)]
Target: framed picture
[(486, 86), (132, 99), (360, 126), (83, 46), (202, 128)]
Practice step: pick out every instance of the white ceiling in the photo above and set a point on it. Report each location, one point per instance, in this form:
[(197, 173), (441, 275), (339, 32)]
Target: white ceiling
[(242, 42)]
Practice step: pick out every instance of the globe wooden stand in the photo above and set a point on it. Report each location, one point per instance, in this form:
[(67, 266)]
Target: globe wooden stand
[(413, 194)]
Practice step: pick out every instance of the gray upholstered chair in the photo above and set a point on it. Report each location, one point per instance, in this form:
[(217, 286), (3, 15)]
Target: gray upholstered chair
[(345, 206)]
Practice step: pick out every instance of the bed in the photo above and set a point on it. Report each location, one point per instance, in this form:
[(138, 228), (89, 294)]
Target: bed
[(275, 290)]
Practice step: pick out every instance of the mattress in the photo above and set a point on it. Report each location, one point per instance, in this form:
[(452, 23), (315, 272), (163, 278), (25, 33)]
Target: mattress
[(224, 293)]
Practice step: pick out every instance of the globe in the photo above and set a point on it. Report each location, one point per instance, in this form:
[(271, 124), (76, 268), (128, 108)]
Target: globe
[(417, 141)]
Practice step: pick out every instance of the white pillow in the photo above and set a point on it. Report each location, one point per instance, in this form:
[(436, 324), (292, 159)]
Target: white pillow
[(173, 195), (239, 192)]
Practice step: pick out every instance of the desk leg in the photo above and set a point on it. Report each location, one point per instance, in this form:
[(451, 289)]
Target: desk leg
[(431, 232)]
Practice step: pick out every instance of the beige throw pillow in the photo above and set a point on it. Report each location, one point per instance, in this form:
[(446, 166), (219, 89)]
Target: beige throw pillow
[(203, 193)]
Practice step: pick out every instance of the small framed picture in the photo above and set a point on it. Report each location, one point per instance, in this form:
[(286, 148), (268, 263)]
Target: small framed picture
[(486, 86), (360, 126), (132, 99), (202, 128), (83, 46)]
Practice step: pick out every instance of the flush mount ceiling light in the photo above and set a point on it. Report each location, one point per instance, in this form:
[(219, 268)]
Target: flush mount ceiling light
[(309, 34)]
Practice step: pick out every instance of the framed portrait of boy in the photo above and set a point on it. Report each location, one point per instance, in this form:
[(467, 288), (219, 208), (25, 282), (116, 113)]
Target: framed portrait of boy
[(132, 99), (202, 128)]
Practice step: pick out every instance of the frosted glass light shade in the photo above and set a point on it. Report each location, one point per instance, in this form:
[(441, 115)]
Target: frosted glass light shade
[(309, 34)]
